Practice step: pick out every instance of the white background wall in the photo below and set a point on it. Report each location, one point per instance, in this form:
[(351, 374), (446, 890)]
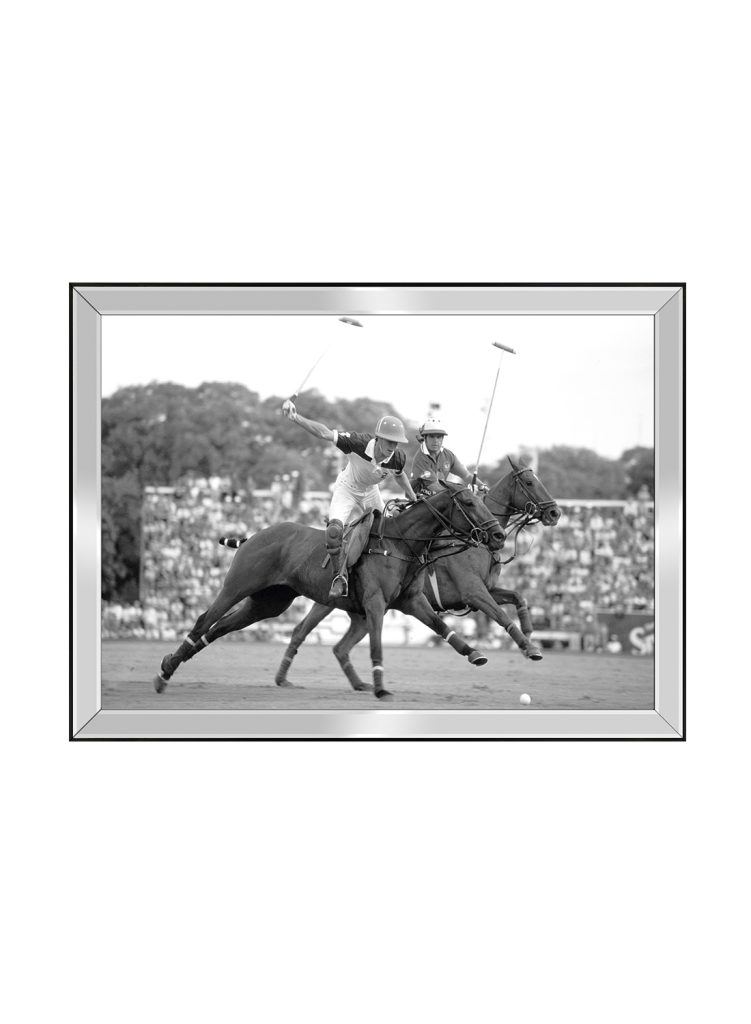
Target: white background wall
[(398, 142)]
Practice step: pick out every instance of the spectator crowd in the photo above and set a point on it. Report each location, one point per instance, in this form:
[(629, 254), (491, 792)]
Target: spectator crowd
[(599, 557)]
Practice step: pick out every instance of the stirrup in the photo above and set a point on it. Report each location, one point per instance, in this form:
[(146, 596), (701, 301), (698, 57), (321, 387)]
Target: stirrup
[(339, 587)]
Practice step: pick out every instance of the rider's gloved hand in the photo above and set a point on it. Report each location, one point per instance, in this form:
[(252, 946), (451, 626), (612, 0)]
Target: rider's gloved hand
[(289, 410)]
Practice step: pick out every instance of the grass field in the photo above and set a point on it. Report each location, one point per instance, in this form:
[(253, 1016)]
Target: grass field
[(237, 675)]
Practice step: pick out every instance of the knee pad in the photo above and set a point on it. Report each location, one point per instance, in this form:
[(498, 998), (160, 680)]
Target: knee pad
[(334, 532)]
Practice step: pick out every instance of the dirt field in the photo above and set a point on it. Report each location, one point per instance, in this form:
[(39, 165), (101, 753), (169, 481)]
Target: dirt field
[(241, 675)]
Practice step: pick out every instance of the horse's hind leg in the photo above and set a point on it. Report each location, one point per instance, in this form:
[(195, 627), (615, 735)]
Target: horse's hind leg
[(196, 640), (237, 619), (358, 627), (266, 604), (316, 614)]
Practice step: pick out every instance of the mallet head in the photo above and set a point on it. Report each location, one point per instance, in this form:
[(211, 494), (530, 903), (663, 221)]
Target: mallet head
[(350, 320)]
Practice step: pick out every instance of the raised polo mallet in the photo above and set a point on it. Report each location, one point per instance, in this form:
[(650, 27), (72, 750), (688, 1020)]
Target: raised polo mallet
[(505, 348), (304, 381)]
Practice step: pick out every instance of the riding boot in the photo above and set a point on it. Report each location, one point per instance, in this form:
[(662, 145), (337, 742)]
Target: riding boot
[(339, 585), (337, 549)]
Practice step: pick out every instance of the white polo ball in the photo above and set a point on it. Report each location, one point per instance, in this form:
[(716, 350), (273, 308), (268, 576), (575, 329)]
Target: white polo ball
[(525, 699)]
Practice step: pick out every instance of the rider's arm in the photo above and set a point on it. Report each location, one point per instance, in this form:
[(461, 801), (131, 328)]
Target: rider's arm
[(459, 469), (312, 426), (406, 486)]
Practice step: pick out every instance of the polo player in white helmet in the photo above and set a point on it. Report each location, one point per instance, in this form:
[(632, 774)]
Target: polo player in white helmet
[(371, 459), (433, 462)]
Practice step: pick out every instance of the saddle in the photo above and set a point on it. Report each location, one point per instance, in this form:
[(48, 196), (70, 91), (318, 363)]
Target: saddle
[(355, 538)]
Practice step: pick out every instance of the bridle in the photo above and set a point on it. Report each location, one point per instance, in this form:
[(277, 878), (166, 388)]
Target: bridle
[(477, 533), (532, 512), (533, 509)]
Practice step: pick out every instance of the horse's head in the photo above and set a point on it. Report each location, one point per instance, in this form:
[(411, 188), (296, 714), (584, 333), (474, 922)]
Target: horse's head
[(467, 516), (520, 491)]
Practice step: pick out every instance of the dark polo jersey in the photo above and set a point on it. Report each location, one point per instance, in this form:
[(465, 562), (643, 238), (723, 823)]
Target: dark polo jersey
[(362, 471), (427, 471)]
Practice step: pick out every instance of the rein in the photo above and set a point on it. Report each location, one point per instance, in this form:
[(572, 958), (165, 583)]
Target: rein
[(519, 528)]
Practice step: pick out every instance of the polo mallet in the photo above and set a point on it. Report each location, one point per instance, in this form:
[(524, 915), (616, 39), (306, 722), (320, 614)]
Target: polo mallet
[(304, 381), (505, 348)]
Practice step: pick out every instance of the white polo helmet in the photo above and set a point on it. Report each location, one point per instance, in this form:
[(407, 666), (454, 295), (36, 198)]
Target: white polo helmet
[(432, 426)]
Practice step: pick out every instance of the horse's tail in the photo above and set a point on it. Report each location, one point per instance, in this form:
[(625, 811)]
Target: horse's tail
[(232, 542)]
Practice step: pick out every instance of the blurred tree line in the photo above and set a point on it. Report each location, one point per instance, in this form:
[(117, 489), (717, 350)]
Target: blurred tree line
[(159, 434)]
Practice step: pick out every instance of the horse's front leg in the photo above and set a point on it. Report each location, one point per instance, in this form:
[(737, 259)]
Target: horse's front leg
[(358, 627), (502, 596), (419, 606), (375, 606), (316, 615)]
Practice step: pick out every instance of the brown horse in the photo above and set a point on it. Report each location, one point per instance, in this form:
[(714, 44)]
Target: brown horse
[(285, 561), (468, 580)]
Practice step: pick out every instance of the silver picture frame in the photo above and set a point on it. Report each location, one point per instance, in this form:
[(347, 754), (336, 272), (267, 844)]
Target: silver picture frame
[(90, 303)]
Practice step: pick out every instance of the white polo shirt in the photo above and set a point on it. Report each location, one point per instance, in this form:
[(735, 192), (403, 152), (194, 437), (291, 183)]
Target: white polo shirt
[(362, 472)]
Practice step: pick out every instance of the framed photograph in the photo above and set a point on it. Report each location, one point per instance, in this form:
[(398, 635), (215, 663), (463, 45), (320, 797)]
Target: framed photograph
[(377, 511)]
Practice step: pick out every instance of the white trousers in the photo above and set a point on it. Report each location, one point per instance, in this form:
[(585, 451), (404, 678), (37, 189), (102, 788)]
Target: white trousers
[(347, 504)]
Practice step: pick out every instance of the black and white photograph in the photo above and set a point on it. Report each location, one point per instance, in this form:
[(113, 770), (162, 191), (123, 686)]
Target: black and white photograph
[(413, 511)]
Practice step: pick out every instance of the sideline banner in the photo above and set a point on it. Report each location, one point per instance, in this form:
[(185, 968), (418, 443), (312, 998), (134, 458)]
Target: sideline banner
[(635, 630)]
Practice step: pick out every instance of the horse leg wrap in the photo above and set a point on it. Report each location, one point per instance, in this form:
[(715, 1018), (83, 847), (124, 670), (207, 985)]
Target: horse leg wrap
[(525, 620), (171, 662), (512, 629), (458, 644), (287, 659), (281, 672), (516, 635), (189, 648)]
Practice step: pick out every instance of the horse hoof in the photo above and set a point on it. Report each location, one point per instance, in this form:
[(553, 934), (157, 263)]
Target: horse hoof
[(384, 695), (533, 653), (362, 687), (160, 684), (475, 658), (164, 667), (281, 681)]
